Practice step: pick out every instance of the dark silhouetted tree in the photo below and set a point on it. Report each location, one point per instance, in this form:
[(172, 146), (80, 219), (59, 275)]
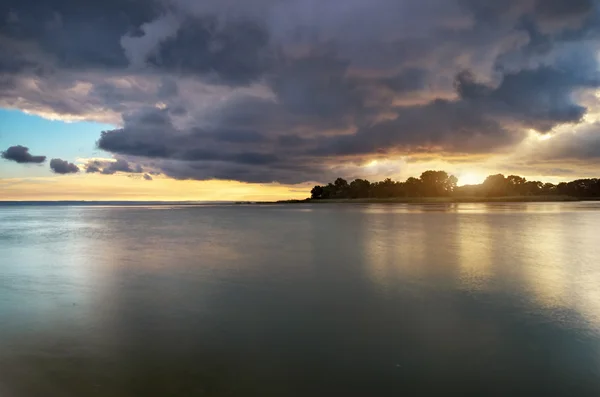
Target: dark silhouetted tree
[(317, 192), (412, 187), (495, 185), (360, 188), (440, 183), (437, 183)]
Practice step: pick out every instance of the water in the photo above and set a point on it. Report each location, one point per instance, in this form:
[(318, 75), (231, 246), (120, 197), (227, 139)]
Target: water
[(300, 300)]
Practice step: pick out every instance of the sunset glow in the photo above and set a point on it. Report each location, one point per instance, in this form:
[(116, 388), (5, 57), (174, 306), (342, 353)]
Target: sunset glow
[(470, 179), (257, 108), (299, 198)]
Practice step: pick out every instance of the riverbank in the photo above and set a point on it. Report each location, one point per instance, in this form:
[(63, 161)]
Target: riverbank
[(433, 200)]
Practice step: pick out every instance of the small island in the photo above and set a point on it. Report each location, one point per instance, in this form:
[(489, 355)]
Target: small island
[(441, 187)]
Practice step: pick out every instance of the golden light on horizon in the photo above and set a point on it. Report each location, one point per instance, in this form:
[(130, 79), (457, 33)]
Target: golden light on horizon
[(125, 187), (471, 178)]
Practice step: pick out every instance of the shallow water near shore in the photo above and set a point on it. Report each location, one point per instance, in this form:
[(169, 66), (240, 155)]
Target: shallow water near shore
[(482, 299)]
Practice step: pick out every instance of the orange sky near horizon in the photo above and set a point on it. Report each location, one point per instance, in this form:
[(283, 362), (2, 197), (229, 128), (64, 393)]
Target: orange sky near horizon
[(129, 188)]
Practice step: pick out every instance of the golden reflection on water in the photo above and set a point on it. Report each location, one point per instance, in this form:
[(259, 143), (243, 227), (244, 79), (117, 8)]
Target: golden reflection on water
[(393, 245), (545, 263), (91, 291), (548, 252), (474, 242), (558, 262), (585, 242)]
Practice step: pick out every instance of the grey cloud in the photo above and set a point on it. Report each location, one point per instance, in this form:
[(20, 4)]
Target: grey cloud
[(563, 9), (66, 29), (139, 47), (539, 99), (270, 116), (204, 37), (468, 87), (118, 97), (168, 88), (192, 146), (93, 167), (60, 166), (118, 166), (112, 167), (543, 97), (549, 14), (20, 154), (297, 86), (206, 170), (407, 81), (317, 85), (147, 133), (443, 126), (235, 53), (578, 145), (482, 119), (204, 154), (240, 136)]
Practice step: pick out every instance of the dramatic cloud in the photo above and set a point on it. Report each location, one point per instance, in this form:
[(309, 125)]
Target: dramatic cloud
[(234, 53), (107, 167), (60, 166), (576, 145), (20, 154), (286, 91)]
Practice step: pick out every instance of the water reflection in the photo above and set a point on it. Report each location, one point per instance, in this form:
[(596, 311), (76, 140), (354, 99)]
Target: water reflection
[(485, 299), (475, 237)]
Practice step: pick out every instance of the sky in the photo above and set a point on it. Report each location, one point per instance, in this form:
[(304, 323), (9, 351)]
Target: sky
[(262, 99)]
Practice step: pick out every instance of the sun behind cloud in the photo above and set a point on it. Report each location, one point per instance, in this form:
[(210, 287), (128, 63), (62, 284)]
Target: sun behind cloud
[(471, 178)]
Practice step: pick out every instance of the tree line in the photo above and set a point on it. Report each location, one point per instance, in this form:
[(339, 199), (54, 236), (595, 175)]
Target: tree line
[(441, 184)]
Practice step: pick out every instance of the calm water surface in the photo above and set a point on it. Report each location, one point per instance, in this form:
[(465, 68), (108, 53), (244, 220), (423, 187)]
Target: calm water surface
[(322, 300)]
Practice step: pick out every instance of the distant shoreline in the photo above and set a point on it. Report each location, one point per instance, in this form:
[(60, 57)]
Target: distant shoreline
[(438, 200), (373, 200), (111, 203)]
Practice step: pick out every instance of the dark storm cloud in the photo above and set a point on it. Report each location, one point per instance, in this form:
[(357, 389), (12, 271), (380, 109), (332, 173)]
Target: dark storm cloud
[(235, 53), (539, 99), (409, 80), (298, 86), (90, 35), (136, 140), (168, 88), (317, 85), (75, 33), (552, 14), (60, 166), (560, 9), (233, 154), (148, 133), (118, 97), (20, 154), (451, 126), (482, 119), (286, 173)]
